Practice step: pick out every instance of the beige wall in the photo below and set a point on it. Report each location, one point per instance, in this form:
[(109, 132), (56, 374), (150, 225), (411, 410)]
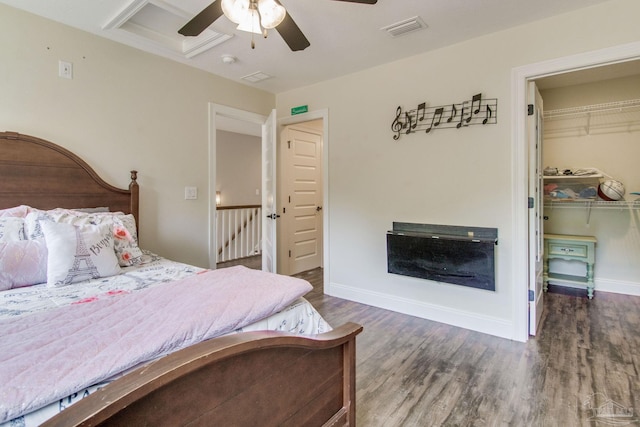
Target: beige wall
[(239, 168), (456, 177), (123, 110)]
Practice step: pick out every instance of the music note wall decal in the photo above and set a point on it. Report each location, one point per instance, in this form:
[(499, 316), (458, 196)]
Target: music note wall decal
[(474, 111), (437, 113)]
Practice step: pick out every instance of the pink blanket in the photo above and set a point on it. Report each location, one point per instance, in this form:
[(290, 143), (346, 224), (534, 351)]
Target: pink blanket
[(46, 356)]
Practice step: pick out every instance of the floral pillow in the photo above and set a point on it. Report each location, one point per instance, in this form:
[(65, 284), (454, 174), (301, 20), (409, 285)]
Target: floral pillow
[(124, 229), (12, 229), (77, 253), (22, 263)]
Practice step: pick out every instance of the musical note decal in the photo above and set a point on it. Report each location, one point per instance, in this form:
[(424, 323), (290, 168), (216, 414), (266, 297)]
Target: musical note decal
[(489, 115), (474, 111), (475, 98), (422, 108), (459, 125), (434, 123), (409, 122), (397, 125), (454, 112)]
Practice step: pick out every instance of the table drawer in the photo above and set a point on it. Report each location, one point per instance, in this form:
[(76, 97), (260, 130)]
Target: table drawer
[(564, 249)]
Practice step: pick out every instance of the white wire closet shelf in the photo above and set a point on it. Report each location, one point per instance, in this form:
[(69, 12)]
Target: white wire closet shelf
[(610, 117)]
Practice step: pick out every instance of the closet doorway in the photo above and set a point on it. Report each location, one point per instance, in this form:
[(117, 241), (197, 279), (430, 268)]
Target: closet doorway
[(521, 76), (591, 131)]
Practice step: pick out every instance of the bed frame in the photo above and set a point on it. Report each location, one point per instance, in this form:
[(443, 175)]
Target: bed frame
[(247, 379), (44, 175)]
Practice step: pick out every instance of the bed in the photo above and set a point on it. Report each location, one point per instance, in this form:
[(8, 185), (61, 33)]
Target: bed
[(211, 359)]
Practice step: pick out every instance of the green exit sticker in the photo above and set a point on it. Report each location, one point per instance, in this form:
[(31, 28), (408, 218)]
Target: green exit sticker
[(299, 109)]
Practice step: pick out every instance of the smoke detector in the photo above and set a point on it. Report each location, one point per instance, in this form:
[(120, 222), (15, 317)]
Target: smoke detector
[(229, 59)]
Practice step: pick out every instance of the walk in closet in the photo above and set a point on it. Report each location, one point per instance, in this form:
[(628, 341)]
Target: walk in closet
[(592, 134)]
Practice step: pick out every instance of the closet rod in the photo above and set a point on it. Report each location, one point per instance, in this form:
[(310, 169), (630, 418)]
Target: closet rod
[(595, 108)]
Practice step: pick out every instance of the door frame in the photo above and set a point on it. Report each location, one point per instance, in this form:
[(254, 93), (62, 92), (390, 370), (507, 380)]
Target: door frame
[(215, 111), (307, 117), (520, 76)]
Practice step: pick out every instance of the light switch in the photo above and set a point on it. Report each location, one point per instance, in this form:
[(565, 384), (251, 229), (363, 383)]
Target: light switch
[(190, 193), (65, 69)]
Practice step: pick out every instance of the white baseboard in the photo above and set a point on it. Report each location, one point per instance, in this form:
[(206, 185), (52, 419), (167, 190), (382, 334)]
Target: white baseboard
[(606, 285), (617, 286), (473, 321)]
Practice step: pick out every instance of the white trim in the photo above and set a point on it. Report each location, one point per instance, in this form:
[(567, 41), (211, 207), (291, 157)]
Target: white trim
[(616, 287), (519, 78), (481, 323), (307, 117), (216, 110)]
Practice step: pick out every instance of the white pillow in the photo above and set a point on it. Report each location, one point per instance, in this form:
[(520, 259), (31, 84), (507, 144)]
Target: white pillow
[(77, 253), (19, 211), (22, 263), (12, 229)]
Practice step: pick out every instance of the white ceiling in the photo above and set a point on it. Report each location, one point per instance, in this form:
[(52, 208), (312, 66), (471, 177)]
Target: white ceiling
[(345, 37)]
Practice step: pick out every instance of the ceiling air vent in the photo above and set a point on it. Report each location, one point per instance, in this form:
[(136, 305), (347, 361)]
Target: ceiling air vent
[(256, 77), (405, 27)]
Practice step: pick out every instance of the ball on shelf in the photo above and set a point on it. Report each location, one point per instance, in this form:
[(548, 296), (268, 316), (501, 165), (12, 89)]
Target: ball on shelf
[(611, 190)]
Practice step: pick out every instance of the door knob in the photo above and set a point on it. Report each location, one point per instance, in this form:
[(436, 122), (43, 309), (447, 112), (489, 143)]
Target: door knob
[(318, 208)]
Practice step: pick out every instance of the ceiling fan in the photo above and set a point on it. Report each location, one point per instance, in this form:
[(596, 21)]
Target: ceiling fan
[(256, 16)]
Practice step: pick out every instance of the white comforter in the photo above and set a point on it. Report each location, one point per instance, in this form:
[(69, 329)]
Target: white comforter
[(54, 345)]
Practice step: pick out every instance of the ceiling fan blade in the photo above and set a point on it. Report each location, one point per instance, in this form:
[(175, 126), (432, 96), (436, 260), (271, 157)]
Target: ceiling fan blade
[(202, 20), (361, 1), (292, 34)]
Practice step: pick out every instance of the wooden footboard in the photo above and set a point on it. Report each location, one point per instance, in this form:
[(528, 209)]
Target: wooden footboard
[(248, 379)]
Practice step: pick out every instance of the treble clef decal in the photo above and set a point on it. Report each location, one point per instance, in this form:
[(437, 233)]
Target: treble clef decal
[(397, 125)]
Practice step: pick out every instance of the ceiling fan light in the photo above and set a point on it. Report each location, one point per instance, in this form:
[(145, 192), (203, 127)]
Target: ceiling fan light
[(235, 10), (251, 22), (271, 12)]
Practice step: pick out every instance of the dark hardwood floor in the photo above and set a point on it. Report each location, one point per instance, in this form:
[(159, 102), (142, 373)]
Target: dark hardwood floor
[(415, 372)]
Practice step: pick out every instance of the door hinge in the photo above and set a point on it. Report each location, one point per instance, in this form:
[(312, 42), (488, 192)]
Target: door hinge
[(531, 202), (289, 254), (284, 210), (532, 296), (289, 144), (530, 110)]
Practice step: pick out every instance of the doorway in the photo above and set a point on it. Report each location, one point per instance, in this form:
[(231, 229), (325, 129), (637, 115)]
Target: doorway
[(234, 120), (222, 116), (521, 77)]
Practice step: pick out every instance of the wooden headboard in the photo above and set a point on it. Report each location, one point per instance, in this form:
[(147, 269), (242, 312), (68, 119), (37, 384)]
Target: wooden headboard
[(43, 175)]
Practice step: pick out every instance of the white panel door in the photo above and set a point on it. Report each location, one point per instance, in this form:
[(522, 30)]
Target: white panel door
[(269, 217), (536, 228), (301, 156)]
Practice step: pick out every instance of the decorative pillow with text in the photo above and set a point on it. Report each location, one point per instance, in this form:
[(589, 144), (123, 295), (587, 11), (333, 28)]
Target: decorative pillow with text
[(77, 253)]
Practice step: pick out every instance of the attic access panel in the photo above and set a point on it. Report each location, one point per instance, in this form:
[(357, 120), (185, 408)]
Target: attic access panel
[(157, 22)]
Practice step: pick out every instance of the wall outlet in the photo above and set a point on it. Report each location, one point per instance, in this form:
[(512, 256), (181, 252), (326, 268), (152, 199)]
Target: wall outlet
[(65, 69), (190, 193)]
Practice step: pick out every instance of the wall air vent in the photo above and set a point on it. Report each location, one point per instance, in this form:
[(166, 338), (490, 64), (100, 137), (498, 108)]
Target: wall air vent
[(405, 27)]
